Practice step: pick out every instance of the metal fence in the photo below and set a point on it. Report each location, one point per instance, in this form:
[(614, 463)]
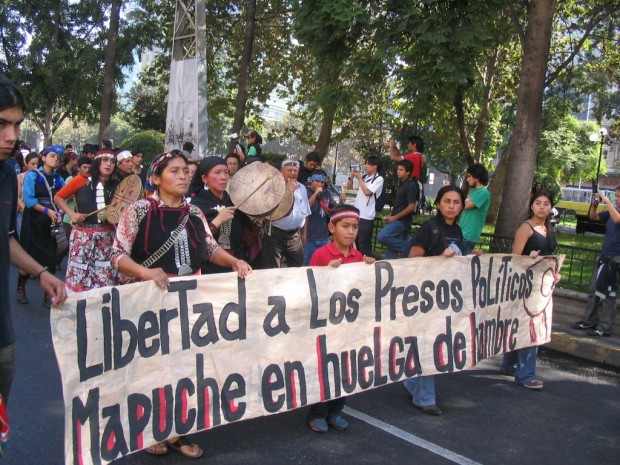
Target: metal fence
[(576, 271)]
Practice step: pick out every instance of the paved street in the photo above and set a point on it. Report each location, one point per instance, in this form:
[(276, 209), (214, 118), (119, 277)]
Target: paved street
[(487, 418)]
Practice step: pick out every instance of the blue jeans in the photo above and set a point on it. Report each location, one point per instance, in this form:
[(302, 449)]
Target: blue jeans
[(310, 247), (509, 363), (525, 370), (422, 390), (395, 236)]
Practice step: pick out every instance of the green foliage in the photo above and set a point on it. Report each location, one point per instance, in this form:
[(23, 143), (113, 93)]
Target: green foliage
[(341, 70), (274, 158), (147, 110), (150, 142), (566, 154)]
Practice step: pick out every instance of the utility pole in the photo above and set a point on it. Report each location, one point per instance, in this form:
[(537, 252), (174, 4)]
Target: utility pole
[(186, 116)]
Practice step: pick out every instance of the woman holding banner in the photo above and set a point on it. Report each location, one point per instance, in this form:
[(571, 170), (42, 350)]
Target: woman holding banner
[(534, 237), (440, 235), (164, 236), (233, 229)]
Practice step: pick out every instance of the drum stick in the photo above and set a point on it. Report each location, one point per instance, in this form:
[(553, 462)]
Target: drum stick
[(100, 210), (269, 176)]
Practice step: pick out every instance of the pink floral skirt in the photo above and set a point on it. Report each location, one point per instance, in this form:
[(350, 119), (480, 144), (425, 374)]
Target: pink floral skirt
[(88, 266)]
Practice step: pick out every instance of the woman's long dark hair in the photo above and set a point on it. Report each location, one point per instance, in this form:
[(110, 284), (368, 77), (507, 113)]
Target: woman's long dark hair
[(553, 243), (95, 175), (111, 183), (443, 191)]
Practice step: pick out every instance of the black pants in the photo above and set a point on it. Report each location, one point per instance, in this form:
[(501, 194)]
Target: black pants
[(327, 409), (282, 245), (364, 237)]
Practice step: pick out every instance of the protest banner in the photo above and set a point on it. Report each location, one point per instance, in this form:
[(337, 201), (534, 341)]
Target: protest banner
[(140, 364)]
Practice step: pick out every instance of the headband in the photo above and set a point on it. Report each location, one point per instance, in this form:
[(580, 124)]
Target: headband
[(159, 160), (105, 153), (290, 161), (318, 177), (344, 214)]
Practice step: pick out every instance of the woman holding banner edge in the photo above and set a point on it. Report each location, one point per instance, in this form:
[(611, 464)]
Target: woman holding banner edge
[(534, 237), (142, 246), (439, 236)]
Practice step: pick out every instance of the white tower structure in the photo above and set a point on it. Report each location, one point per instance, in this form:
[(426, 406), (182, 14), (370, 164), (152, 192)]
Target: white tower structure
[(186, 116)]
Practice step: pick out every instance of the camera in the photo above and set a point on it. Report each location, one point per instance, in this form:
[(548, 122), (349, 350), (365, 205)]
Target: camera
[(55, 229), (234, 137), (355, 167)]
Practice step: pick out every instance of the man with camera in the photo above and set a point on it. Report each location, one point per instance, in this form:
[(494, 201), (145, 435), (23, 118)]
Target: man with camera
[(370, 187)]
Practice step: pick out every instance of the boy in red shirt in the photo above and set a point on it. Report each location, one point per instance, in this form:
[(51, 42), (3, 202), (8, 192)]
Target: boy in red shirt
[(343, 226)]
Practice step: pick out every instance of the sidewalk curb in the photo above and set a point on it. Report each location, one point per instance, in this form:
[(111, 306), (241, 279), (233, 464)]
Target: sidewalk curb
[(582, 346)]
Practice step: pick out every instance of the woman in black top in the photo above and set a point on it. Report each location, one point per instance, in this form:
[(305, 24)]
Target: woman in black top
[(534, 237), (233, 230), (440, 235)]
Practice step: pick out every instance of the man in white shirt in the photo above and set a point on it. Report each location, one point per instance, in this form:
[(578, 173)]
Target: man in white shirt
[(370, 187), (283, 238)]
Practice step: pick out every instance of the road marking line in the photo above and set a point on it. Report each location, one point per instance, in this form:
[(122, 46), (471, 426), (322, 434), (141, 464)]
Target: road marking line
[(410, 438)]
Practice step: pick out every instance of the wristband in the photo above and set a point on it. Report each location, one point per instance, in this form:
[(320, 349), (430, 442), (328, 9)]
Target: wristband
[(46, 210), (41, 272)]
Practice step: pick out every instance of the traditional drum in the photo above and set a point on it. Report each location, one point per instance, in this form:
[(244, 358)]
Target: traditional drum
[(127, 192), (257, 189), (284, 207)]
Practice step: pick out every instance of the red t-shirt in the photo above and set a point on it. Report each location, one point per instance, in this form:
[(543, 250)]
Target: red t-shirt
[(418, 160), (323, 255)]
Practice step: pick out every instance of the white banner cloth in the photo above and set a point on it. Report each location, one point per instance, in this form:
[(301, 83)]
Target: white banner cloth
[(140, 364)]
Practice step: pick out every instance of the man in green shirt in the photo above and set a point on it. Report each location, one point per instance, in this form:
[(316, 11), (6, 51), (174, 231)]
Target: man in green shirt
[(476, 206)]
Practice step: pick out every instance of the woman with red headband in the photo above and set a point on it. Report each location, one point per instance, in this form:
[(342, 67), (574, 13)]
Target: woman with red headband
[(164, 236), (89, 266)]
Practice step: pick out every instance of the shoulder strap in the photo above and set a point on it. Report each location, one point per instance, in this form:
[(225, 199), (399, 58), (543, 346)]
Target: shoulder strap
[(437, 232), (166, 245), (49, 191)]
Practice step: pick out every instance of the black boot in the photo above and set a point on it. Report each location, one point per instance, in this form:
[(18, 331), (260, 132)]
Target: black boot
[(21, 289)]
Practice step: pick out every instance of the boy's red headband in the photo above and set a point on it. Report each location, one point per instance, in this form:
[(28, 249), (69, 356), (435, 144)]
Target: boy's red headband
[(344, 214)]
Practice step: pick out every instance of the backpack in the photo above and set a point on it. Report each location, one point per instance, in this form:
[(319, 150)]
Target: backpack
[(380, 199), (438, 235)]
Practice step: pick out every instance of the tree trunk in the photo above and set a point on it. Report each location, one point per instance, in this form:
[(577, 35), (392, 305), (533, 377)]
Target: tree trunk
[(522, 162), (47, 124), (496, 186), (325, 135), (460, 122), (483, 118), (109, 68), (244, 69)]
